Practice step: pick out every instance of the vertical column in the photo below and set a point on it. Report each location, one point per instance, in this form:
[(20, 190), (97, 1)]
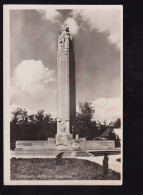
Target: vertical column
[(63, 89), (67, 85)]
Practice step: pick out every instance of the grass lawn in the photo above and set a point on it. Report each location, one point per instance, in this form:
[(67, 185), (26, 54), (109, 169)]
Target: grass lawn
[(66, 169)]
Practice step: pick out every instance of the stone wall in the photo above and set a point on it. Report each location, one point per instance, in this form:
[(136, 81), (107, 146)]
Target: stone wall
[(36, 145), (105, 145), (81, 144)]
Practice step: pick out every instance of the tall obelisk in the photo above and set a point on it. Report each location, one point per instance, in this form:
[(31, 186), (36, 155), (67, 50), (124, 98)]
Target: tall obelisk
[(65, 88)]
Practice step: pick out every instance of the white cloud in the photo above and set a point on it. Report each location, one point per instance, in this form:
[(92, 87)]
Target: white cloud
[(51, 15), (31, 77), (108, 110), (73, 27), (14, 89), (14, 107), (103, 21)]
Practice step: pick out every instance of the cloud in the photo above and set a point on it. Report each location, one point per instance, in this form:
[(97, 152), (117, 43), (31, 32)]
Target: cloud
[(55, 16), (104, 21), (73, 27), (51, 15), (31, 77), (108, 110), (14, 107)]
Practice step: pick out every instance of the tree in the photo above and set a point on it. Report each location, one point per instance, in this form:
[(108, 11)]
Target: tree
[(31, 127), (31, 119), (117, 123), (19, 116), (49, 126), (86, 112), (45, 125), (83, 119), (118, 142), (112, 136), (39, 116)]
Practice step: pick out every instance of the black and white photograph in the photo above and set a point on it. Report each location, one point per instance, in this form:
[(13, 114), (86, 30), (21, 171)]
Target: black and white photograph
[(63, 94)]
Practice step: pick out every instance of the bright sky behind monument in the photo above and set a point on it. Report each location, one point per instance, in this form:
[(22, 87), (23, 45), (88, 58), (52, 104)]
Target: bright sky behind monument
[(96, 35)]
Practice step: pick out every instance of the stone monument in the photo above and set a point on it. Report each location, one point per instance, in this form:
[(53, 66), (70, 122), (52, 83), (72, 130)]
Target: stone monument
[(66, 98)]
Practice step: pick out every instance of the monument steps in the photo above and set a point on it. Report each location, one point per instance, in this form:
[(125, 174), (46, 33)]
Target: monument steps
[(73, 154), (40, 153), (83, 153), (49, 153)]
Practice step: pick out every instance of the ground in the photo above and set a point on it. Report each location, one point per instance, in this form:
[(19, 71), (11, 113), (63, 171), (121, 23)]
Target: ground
[(65, 169)]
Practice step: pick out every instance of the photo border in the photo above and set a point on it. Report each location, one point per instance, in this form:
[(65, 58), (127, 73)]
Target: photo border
[(6, 97)]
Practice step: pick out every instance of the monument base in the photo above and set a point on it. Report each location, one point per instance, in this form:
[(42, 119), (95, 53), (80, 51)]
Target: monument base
[(62, 147), (64, 141), (70, 145)]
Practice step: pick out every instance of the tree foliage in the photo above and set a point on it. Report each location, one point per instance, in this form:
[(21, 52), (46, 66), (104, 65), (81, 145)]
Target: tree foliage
[(112, 136), (40, 126), (117, 123), (31, 127), (19, 115), (84, 124), (40, 116)]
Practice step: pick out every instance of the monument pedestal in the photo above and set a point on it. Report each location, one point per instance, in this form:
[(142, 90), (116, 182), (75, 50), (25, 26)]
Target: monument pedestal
[(75, 144), (64, 141), (62, 147)]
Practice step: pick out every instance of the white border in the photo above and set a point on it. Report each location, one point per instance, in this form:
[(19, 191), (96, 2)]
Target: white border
[(6, 81)]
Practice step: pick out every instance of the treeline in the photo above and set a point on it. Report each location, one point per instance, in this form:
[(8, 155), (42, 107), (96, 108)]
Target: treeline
[(41, 126), (86, 127), (31, 127)]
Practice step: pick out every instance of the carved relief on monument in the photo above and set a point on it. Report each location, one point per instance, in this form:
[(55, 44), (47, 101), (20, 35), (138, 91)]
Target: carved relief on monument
[(61, 40), (63, 127), (61, 140), (64, 37), (65, 28)]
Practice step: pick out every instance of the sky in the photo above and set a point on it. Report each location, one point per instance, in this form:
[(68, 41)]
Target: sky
[(33, 43)]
